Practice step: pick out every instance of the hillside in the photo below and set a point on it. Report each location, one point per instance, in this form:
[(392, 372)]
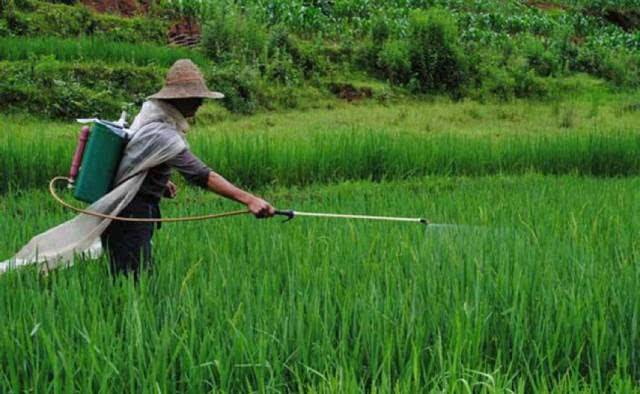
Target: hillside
[(101, 56)]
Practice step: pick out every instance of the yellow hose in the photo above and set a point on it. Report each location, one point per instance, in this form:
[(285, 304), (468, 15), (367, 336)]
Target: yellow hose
[(52, 190)]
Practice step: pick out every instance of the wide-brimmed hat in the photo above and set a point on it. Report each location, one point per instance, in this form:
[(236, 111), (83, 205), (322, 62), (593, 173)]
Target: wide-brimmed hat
[(184, 80)]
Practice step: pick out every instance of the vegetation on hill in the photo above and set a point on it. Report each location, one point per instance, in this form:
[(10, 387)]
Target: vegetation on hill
[(260, 53)]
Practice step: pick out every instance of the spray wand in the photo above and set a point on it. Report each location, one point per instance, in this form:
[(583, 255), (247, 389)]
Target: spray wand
[(290, 214)]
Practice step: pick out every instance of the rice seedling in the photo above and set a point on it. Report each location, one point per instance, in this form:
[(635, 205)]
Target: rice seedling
[(544, 298)]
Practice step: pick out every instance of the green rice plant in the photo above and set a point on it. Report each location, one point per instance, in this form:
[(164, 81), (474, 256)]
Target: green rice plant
[(371, 142), (534, 291), (261, 160), (93, 50)]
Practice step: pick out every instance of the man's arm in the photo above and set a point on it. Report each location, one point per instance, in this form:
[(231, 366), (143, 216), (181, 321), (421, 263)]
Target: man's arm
[(197, 173), (256, 205)]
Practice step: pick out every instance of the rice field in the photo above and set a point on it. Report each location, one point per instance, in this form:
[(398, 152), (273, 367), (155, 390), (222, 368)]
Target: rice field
[(594, 136), (535, 290), (526, 281)]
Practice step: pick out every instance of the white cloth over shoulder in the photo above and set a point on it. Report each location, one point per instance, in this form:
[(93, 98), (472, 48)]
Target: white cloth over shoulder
[(157, 135)]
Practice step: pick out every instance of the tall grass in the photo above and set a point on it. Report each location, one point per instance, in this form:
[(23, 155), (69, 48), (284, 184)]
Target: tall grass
[(94, 50), (258, 160), (541, 296), (594, 137)]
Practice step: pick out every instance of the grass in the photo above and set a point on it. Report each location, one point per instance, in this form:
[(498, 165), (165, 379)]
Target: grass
[(540, 296), (596, 136), (94, 50)]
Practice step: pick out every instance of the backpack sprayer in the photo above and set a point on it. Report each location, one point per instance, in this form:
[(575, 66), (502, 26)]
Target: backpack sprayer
[(98, 154), (96, 160)]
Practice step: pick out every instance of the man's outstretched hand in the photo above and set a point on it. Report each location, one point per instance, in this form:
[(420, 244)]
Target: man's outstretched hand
[(260, 208)]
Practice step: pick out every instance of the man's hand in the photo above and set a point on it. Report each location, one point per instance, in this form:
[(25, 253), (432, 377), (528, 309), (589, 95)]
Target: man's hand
[(260, 208), (170, 190)]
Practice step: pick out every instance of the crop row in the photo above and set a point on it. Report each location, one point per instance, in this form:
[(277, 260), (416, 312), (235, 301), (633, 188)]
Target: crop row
[(264, 159)]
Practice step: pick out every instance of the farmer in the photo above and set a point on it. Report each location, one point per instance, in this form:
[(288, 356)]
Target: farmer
[(128, 244)]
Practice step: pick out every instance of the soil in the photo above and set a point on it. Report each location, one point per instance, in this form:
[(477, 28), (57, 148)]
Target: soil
[(347, 91), (119, 7), (627, 20), (187, 26)]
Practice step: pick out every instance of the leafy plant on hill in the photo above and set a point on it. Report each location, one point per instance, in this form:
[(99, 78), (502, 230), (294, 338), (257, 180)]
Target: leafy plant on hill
[(67, 90), (428, 60), (230, 34)]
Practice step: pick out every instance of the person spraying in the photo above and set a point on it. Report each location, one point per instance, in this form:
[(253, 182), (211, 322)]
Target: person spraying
[(128, 244), (126, 175), (156, 145)]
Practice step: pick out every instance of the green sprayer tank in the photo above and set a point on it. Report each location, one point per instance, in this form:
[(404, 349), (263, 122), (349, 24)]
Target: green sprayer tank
[(100, 161)]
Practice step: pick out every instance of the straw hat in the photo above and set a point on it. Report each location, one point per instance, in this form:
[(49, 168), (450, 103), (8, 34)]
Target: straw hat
[(184, 80)]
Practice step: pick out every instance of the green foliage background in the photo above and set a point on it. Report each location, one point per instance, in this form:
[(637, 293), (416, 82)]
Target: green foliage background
[(268, 54)]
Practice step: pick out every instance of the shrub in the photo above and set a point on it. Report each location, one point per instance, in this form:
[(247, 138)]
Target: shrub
[(282, 69), (94, 49), (394, 61), (229, 34), (564, 47), (71, 99), (240, 85), (4, 28), (308, 57), (246, 90), (8, 6), (529, 85), (63, 99), (589, 59), (437, 61), (622, 68), (132, 82), (337, 52), (496, 82), (134, 30), (507, 78), (284, 47), (367, 54), (543, 61), (380, 31), (428, 59)]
